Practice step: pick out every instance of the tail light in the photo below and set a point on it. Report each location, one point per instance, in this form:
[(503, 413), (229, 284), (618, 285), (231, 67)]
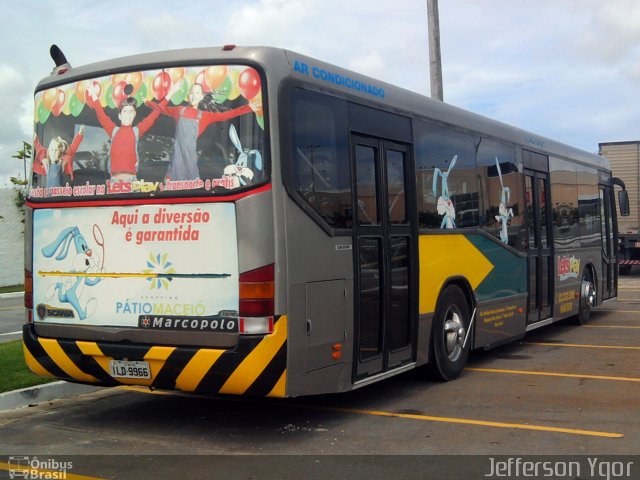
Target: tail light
[(256, 301), (28, 294)]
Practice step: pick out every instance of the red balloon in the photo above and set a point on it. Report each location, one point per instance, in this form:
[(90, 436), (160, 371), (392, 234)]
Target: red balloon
[(119, 93), (161, 84), (59, 103), (249, 83)]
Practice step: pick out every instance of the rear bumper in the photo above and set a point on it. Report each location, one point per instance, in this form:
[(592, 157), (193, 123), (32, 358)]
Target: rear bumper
[(256, 366)]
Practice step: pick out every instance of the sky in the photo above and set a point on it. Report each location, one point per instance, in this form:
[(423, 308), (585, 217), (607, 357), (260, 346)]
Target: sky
[(568, 70)]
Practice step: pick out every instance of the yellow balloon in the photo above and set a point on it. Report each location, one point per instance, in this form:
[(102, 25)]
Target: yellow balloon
[(235, 88)]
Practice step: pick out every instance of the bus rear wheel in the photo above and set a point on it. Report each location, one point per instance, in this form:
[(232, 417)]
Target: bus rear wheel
[(449, 352)]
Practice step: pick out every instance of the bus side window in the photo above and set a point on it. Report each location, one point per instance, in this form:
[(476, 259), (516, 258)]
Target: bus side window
[(321, 173)]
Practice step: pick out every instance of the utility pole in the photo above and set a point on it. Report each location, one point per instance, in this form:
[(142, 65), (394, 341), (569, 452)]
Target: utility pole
[(435, 62)]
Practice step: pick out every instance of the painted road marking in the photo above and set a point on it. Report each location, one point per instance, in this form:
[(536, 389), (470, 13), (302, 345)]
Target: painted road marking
[(11, 308), (28, 472), (611, 326), (576, 345), (467, 421), (424, 418), (553, 374), (11, 333)]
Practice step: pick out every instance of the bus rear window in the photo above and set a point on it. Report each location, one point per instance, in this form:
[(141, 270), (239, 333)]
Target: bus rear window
[(169, 132)]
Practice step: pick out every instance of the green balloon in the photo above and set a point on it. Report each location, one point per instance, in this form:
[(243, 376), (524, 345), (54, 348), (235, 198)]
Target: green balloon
[(260, 120), (221, 94), (141, 95), (109, 97), (75, 105), (181, 94), (43, 113)]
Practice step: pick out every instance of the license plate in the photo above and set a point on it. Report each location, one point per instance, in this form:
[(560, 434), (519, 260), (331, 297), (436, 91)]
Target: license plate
[(129, 369)]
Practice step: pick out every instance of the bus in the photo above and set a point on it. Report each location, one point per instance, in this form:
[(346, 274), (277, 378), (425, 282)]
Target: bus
[(252, 221)]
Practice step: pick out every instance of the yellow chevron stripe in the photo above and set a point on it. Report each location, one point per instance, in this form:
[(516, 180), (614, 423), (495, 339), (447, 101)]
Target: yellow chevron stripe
[(55, 352), (33, 364), (255, 363), (92, 350), (447, 256), (196, 369), (280, 387)]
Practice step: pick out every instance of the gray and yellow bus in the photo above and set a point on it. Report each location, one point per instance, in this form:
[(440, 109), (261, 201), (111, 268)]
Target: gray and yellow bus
[(253, 221)]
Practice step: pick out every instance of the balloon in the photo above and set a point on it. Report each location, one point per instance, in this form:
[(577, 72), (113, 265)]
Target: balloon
[(135, 80), (49, 98), (75, 105), (235, 88), (161, 84), (214, 76), (201, 79), (249, 82), (81, 88), (108, 96), (119, 92), (260, 120), (141, 95), (66, 109), (117, 78), (107, 91), (256, 104), (43, 112), (176, 74), (181, 94), (222, 93), (57, 107)]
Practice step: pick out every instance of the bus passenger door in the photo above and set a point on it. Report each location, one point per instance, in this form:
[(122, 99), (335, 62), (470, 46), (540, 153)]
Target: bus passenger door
[(541, 271), (609, 236), (384, 244)]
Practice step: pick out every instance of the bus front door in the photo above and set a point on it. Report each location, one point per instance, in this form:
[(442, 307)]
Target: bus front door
[(385, 242), (609, 239), (541, 271)]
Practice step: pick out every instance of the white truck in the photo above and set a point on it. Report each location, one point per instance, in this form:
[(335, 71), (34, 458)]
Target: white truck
[(624, 158)]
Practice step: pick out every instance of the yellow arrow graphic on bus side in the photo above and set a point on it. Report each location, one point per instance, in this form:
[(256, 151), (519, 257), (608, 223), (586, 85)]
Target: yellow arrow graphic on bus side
[(446, 256)]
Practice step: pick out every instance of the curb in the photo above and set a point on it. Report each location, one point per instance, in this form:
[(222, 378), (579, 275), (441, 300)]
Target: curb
[(12, 295), (42, 393)]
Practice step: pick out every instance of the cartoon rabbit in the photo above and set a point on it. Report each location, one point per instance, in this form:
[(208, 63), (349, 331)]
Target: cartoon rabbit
[(239, 172), (69, 289), (504, 214), (445, 205)]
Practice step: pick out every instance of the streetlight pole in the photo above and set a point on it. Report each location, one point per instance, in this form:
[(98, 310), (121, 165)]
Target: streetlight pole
[(435, 61)]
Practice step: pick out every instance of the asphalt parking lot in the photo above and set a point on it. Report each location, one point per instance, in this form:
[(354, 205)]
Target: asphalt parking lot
[(562, 390)]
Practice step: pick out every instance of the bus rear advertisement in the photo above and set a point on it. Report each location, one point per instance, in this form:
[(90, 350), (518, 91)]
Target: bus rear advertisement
[(251, 221)]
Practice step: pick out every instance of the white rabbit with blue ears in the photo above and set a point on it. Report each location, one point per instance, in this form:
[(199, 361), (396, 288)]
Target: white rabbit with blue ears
[(240, 173), (85, 260)]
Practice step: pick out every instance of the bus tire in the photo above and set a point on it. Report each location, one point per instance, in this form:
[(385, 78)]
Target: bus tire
[(450, 327), (588, 297)]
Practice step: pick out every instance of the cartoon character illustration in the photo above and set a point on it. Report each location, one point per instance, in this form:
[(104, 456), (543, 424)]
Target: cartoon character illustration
[(191, 122), (123, 148), (56, 159), (445, 205), (504, 214), (70, 288), (239, 172)]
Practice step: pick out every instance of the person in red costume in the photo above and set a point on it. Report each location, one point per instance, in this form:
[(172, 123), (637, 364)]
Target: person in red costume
[(57, 159), (190, 124), (123, 150)]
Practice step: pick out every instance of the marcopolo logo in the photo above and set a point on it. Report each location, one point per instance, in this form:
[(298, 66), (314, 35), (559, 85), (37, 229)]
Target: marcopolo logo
[(38, 468), (226, 321)]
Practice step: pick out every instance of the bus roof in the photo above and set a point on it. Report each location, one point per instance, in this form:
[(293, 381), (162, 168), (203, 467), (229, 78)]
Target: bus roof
[(280, 64)]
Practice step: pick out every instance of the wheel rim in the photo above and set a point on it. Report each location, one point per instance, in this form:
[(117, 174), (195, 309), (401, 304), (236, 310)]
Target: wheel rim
[(588, 293), (454, 334)]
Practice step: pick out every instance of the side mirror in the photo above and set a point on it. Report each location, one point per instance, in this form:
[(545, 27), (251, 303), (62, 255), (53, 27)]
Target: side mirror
[(623, 203)]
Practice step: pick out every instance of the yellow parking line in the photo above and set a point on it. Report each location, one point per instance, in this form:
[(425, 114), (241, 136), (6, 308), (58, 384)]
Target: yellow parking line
[(467, 421), (28, 472), (611, 326), (575, 345), (553, 374)]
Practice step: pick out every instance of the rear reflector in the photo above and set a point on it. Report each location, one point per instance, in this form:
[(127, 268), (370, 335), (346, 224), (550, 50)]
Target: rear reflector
[(28, 289)]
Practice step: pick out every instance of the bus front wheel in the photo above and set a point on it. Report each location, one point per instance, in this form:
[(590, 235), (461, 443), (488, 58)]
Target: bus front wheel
[(587, 298), (449, 352)]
